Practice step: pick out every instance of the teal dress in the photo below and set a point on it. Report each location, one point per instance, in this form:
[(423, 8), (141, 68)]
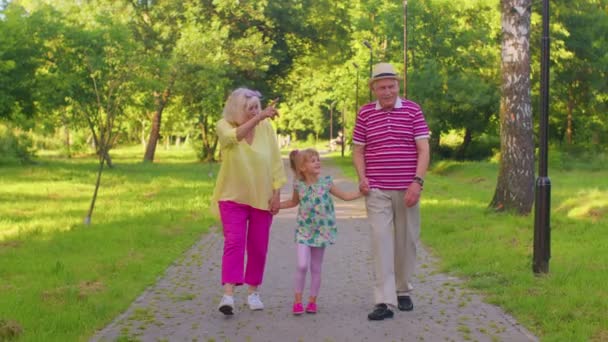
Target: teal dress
[(316, 214)]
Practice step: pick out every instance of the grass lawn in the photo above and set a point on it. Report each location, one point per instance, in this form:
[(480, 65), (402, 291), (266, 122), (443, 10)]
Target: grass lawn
[(61, 280), (493, 251)]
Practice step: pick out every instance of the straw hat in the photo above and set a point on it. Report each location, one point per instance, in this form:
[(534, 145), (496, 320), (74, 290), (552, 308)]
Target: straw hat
[(383, 71)]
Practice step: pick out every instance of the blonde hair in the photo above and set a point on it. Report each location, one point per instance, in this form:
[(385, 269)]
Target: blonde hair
[(235, 109), (297, 158)]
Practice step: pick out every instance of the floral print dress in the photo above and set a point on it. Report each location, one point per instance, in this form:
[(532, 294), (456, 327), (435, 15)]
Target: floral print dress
[(316, 214)]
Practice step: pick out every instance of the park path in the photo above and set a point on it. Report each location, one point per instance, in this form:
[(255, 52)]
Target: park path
[(182, 305)]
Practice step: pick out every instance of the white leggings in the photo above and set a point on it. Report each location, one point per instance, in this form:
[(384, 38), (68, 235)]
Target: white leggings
[(312, 256)]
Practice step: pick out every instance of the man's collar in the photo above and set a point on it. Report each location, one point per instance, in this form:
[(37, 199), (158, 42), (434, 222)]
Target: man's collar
[(398, 104)]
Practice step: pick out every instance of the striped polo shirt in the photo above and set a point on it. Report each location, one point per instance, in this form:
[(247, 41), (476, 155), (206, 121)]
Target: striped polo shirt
[(390, 142)]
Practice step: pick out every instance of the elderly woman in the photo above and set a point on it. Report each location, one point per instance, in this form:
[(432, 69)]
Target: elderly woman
[(246, 192)]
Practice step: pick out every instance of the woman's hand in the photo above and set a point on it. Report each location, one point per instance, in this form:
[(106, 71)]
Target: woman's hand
[(270, 111), (275, 202)]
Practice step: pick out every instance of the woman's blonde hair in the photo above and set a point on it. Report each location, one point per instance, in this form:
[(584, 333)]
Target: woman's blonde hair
[(235, 110), (297, 158)]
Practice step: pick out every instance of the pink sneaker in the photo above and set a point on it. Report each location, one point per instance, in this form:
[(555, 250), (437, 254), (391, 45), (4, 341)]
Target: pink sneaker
[(311, 308), (298, 309)]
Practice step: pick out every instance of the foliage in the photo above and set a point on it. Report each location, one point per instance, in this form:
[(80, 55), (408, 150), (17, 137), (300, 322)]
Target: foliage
[(579, 84), (309, 53), (19, 59), (15, 146)]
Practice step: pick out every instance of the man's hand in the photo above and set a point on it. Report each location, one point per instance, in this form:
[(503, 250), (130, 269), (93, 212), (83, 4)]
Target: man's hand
[(364, 186), (412, 195)]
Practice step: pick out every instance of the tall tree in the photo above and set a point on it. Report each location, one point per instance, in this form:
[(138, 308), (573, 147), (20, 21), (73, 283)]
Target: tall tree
[(157, 25), (580, 81), (515, 187), (456, 77)]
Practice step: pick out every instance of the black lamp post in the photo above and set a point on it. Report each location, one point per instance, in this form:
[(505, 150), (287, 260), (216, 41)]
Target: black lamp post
[(371, 62), (343, 140), (331, 121), (356, 107), (542, 201)]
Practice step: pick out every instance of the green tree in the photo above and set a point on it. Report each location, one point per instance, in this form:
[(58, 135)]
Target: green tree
[(580, 77), (18, 64), (455, 77)]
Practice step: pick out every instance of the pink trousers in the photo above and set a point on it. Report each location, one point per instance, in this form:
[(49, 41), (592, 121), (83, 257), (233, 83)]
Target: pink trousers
[(246, 229)]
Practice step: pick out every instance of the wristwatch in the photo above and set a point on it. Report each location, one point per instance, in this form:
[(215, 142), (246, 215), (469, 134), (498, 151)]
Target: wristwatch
[(418, 180)]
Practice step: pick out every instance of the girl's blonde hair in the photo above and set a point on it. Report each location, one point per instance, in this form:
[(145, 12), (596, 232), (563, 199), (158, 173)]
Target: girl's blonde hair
[(297, 158), (235, 110)]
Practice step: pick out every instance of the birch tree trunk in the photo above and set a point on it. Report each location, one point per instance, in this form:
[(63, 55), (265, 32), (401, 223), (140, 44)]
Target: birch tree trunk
[(515, 186)]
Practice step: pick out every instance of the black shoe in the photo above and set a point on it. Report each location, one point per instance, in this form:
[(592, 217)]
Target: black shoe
[(404, 303), (226, 310), (381, 311)]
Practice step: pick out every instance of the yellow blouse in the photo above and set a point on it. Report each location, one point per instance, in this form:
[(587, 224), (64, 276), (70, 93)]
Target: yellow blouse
[(248, 173)]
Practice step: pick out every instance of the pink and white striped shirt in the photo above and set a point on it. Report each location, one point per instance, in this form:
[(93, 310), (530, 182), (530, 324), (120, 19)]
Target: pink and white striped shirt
[(390, 142)]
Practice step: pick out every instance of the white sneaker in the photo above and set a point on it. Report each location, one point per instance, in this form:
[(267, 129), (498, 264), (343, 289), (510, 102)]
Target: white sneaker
[(226, 305), (254, 301)]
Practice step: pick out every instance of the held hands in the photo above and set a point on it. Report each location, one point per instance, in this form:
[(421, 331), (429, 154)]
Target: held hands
[(274, 204), (364, 186)]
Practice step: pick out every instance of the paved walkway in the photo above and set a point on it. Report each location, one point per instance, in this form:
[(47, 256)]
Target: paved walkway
[(182, 305)]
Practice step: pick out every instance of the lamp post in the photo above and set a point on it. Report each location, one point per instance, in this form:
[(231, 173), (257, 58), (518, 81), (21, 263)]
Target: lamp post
[(356, 107), (343, 142), (542, 201), (331, 122), (356, 87), (371, 62)]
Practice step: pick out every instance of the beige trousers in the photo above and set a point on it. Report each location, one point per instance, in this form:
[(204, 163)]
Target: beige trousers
[(395, 233)]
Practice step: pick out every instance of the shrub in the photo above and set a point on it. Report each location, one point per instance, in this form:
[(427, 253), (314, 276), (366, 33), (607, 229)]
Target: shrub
[(15, 146)]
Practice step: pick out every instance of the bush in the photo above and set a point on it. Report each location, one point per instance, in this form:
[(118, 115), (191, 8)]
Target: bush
[(577, 157), (79, 143), (15, 146), (482, 148)]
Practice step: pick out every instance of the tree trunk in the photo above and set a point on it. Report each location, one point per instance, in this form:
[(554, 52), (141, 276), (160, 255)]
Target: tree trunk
[(108, 159), (161, 100), (209, 143), (570, 109), (155, 130), (515, 186), (466, 142), (87, 219)]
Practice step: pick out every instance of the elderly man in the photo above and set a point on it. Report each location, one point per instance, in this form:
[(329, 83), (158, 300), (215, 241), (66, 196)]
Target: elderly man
[(391, 155)]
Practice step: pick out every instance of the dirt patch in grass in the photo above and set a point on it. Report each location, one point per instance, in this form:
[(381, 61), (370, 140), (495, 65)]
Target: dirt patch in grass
[(81, 291), (150, 194), (597, 213), (9, 330), (601, 335), (88, 288), (9, 244)]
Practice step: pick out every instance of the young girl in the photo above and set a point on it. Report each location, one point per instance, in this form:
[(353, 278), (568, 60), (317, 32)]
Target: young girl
[(316, 221)]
